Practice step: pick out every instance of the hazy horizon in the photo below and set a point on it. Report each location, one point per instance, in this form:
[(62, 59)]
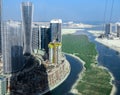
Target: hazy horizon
[(72, 10)]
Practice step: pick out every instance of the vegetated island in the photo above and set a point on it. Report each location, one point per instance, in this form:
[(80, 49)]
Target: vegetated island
[(95, 80)]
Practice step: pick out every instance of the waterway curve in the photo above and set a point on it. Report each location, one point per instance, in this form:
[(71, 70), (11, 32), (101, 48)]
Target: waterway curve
[(66, 86)]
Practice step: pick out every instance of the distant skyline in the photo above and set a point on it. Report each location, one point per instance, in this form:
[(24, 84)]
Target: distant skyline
[(67, 10)]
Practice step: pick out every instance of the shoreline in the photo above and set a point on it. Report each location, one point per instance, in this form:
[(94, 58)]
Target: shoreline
[(108, 44), (115, 48), (75, 91), (114, 89), (70, 31)]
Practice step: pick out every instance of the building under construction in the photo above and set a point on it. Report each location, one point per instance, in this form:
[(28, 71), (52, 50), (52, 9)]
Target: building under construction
[(55, 52)]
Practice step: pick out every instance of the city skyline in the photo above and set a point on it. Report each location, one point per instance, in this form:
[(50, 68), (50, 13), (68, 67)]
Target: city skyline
[(77, 10), (59, 57), (31, 54)]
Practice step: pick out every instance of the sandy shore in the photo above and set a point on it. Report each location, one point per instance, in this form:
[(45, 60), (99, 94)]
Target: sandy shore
[(113, 44), (69, 31), (114, 89), (96, 33)]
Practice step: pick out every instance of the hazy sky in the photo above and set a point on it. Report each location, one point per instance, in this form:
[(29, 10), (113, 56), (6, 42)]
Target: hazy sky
[(68, 10)]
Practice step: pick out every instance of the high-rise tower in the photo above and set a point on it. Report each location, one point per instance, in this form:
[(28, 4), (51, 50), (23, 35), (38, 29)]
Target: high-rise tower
[(56, 39), (55, 26), (0, 26), (108, 29), (45, 38), (12, 47), (118, 30), (36, 37), (27, 15)]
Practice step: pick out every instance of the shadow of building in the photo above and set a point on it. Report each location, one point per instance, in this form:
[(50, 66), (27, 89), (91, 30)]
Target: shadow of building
[(31, 80), (17, 58)]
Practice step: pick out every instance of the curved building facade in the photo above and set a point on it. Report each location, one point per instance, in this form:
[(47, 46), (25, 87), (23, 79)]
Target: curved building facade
[(27, 15), (55, 26)]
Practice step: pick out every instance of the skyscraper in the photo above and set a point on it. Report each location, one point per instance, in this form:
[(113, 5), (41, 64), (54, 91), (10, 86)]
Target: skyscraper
[(12, 47), (55, 39), (118, 30), (55, 26), (36, 37), (0, 26), (45, 38), (42, 37), (27, 16), (108, 29)]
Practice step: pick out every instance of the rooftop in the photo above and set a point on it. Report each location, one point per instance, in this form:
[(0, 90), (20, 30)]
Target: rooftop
[(56, 21)]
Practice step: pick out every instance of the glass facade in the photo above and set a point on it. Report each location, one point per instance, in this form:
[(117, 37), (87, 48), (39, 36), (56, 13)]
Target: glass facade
[(12, 47), (118, 30), (0, 26), (36, 37), (108, 29), (27, 15), (45, 38), (55, 27)]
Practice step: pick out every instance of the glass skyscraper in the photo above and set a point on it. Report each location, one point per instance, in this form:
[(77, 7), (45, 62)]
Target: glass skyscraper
[(12, 47), (0, 26), (27, 16), (56, 39), (118, 30), (55, 26), (45, 38), (108, 29), (36, 37)]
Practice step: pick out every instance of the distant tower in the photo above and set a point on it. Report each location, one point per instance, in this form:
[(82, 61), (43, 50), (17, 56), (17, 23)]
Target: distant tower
[(55, 26), (0, 25), (12, 47), (27, 16), (108, 29), (118, 30)]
